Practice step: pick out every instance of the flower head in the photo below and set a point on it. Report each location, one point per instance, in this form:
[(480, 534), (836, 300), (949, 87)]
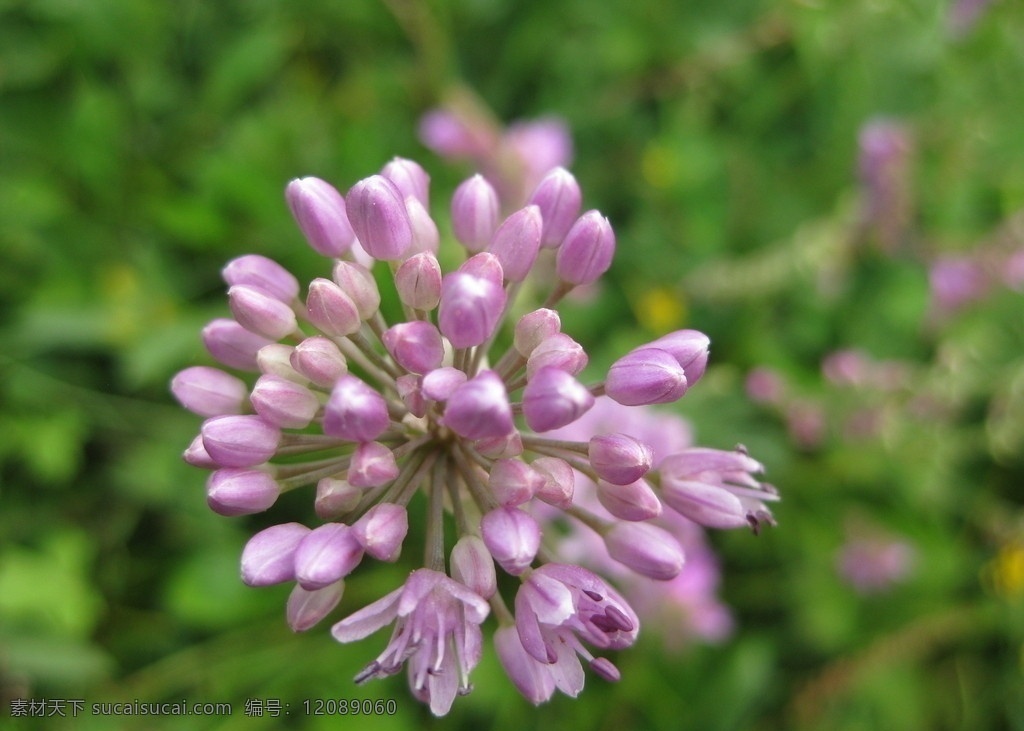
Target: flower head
[(374, 407)]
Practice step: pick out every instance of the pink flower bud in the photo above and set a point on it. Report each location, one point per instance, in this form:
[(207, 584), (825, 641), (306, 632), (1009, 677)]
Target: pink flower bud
[(327, 553), (269, 556), (484, 265), (319, 210), (240, 441), (635, 501), (456, 135), (553, 399), (471, 309), (232, 344), (334, 498), (689, 348), (473, 566), (376, 209), (410, 390), (416, 346), (441, 383), (479, 408), (208, 391), (234, 491), (535, 327), (587, 250), (258, 312), (331, 310), (305, 608), (358, 283), (558, 351), (259, 271), (504, 447), (425, 236), (319, 359), (276, 360), (513, 482), (382, 530), (512, 537), (705, 504), (355, 411), (517, 242), (645, 376), (619, 458), (283, 403), (558, 196), (418, 281), (197, 456), (559, 481), (475, 213), (409, 178), (372, 464), (647, 549)]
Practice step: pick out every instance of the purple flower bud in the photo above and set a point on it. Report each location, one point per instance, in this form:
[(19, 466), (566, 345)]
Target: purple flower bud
[(267, 274), (416, 346), (558, 196), (532, 679), (276, 360), (197, 456), (505, 447), (334, 498), (441, 383), (535, 327), (587, 250), (484, 265), (319, 210), (558, 351), (233, 491), (512, 537), (269, 556), (517, 242), (305, 608), (372, 464), (513, 482), (410, 390), (409, 178), (553, 399), (283, 403), (456, 135), (559, 481), (331, 310), (473, 566), (232, 344), (418, 281), (327, 553), (619, 458), (382, 530), (258, 312), (635, 501), (479, 408), (705, 504), (475, 213), (319, 359), (425, 236), (376, 209), (208, 391), (645, 376), (689, 348), (240, 441), (471, 309), (358, 283), (647, 549), (355, 411)]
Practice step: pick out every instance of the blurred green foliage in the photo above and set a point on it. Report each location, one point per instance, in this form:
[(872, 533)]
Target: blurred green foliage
[(143, 144)]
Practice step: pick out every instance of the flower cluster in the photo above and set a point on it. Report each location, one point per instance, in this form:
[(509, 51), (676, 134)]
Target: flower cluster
[(373, 412)]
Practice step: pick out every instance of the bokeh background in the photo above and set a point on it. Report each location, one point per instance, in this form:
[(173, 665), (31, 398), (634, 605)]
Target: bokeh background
[(833, 191)]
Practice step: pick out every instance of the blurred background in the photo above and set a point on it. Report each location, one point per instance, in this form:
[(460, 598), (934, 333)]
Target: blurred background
[(833, 191)]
